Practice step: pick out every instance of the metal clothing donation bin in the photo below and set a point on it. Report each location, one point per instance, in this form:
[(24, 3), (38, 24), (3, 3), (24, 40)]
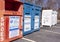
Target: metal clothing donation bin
[(27, 19)]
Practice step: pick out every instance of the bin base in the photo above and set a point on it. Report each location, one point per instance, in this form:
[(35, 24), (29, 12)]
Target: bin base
[(26, 33), (36, 30)]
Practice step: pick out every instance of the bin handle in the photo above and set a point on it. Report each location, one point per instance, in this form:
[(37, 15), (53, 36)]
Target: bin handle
[(27, 13), (36, 14), (37, 9)]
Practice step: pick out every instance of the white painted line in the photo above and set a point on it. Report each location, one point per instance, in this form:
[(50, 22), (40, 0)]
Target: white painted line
[(28, 40), (52, 31)]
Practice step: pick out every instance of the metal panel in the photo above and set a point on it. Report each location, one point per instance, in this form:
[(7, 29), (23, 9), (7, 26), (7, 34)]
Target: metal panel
[(14, 32), (26, 8), (32, 12), (13, 26), (37, 18)]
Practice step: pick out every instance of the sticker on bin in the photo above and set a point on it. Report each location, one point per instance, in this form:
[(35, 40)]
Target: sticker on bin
[(27, 23), (14, 33), (36, 25), (14, 26)]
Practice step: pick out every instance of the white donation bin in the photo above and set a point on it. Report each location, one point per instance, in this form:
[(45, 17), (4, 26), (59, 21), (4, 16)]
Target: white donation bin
[(49, 17)]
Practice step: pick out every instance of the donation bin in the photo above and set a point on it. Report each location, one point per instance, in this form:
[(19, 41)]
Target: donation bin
[(27, 19), (47, 18), (10, 20)]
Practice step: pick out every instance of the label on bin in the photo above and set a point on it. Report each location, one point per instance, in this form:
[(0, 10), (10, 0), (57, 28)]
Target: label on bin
[(36, 25), (27, 23), (14, 26), (2, 29)]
